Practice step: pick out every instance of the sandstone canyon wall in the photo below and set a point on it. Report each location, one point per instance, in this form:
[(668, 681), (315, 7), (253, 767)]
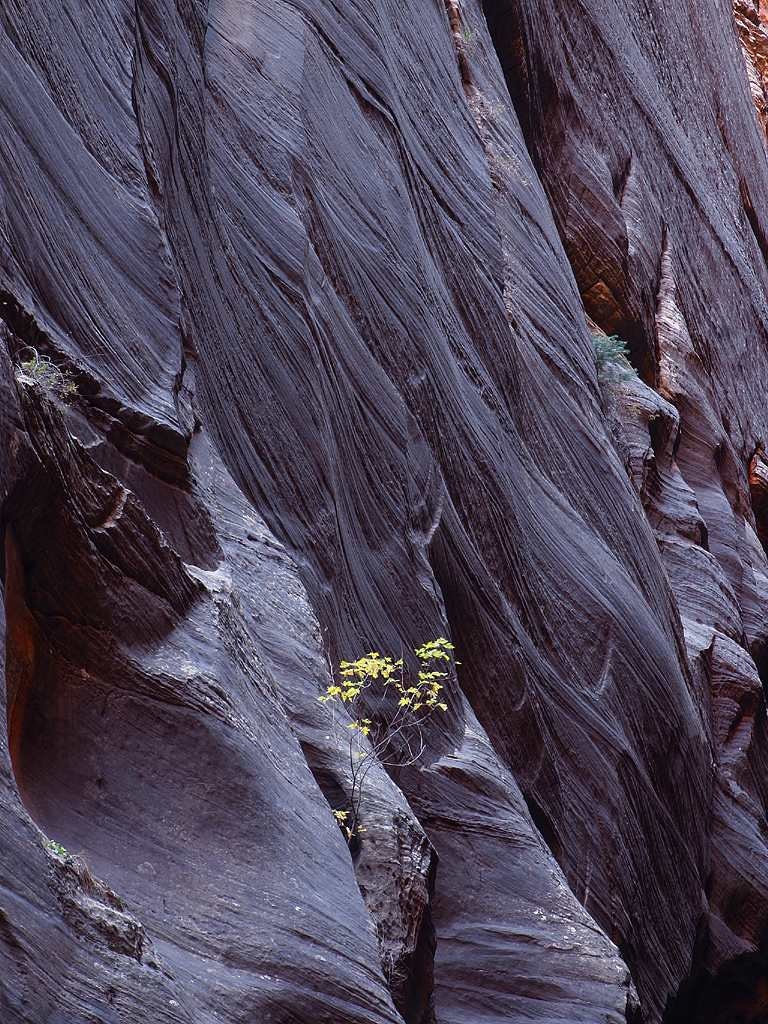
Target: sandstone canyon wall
[(323, 271)]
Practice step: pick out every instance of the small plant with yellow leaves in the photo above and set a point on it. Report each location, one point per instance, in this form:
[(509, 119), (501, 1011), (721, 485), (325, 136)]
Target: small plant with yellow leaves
[(387, 705)]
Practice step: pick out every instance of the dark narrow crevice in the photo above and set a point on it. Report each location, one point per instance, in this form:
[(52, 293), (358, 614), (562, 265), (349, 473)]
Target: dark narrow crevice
[(641, 354), (757, 473), (621, 177), (410, 976), (545, 827), (659, 430), (505, 25), (330, 786), (759, 652), (34, 703), (413, 988), (754, 222), (633, 1012), (22, 653), (736, 994), (731, 474)]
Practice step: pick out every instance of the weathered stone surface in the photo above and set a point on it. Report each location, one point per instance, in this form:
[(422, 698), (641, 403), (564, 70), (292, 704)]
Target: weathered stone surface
[(753, 33), (322, 272)]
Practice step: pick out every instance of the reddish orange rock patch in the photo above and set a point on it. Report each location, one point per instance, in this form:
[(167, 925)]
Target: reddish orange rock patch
[(752, 24)]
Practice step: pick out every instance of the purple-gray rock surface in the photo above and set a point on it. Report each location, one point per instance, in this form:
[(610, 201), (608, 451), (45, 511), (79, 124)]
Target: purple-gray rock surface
[(328, 275)]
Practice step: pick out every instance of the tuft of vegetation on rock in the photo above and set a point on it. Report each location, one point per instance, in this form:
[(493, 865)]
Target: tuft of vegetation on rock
[(612, 358), (53, 847), (42, 372)]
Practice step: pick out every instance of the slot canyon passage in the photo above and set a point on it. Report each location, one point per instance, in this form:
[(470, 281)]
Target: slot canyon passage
[(342, 326)]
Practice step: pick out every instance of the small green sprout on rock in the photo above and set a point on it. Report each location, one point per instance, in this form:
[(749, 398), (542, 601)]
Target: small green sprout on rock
[(388, 706), (53, 847), (611, 358), (469, 39), (41, 371)]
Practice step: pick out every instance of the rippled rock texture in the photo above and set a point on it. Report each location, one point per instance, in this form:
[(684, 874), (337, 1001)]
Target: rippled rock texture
[(323, 272), (752, 25)]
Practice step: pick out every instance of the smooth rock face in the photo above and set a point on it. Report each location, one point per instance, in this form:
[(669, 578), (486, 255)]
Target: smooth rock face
[(322, 272)]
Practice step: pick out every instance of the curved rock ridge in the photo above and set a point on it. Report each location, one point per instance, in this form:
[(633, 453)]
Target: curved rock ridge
[(328, 277)]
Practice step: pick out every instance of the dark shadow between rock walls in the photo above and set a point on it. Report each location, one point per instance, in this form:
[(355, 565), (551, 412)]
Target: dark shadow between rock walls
[(736, 994)]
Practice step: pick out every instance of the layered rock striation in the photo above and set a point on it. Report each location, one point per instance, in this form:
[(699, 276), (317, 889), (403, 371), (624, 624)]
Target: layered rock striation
[(323, 274)]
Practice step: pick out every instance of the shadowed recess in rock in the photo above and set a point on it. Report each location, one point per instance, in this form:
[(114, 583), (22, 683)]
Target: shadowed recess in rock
[(736, 994)]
